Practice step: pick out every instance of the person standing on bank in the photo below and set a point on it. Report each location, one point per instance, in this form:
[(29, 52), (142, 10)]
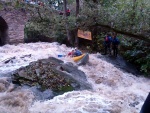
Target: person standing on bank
[(115, 43), (107, 43)]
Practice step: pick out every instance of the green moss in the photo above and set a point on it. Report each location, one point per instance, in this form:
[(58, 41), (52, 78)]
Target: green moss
[(66, 88), (137, 52), (1, 6)]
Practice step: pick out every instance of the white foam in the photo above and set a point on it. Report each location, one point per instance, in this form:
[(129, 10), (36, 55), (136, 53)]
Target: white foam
[(113, 90)]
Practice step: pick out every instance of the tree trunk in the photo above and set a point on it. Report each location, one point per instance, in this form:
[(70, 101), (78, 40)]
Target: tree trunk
[(77, 7), (66, 24), (39, 14), (77, 12), (133, 13)]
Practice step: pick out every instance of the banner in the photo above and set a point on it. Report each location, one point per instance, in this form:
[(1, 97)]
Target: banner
[(85, 34)]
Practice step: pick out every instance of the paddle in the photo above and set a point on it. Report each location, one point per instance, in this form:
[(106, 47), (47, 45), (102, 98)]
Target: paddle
[(61, 56)]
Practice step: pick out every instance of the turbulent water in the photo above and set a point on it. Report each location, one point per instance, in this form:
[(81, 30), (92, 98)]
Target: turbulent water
[(114, 91)]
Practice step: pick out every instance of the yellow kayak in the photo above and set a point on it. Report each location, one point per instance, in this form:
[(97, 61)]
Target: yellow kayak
[(77, 58)]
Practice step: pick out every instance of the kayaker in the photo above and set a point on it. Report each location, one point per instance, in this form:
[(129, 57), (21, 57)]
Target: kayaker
[(74, 52), (71, 54), (77, 52)]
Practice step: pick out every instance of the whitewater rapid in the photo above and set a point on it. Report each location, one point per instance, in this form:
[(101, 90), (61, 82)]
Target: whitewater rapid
[(114, 91)]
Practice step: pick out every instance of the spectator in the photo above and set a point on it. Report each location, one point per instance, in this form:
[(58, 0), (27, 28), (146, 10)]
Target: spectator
[(115, 43), (107, 44)]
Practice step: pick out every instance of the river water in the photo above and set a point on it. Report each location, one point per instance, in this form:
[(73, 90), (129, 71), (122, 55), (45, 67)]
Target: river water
[(114, 90)]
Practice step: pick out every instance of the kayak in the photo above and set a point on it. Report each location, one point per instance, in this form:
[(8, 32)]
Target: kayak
[(84, 60), (77, 58)]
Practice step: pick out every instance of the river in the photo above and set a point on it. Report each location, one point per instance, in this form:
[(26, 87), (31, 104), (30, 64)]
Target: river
[(114, 90)]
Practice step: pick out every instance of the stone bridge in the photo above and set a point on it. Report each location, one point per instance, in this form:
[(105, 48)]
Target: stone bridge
[(15, 20)]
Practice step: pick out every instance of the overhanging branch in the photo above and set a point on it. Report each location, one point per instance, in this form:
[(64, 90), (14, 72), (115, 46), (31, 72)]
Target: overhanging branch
[(136, 36)]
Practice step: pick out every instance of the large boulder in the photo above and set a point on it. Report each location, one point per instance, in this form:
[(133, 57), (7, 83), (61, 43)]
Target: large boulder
[(52, 74)]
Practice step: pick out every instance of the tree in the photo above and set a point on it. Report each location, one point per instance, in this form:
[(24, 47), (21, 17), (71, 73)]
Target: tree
[(77, 12), (77, 7), (66, 22)]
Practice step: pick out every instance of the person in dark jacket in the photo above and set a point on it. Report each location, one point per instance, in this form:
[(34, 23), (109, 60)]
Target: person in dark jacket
[(107, 44), (115, 43), (77, 52)]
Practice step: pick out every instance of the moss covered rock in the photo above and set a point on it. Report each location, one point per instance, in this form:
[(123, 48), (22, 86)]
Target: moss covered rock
[(51, 74)]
